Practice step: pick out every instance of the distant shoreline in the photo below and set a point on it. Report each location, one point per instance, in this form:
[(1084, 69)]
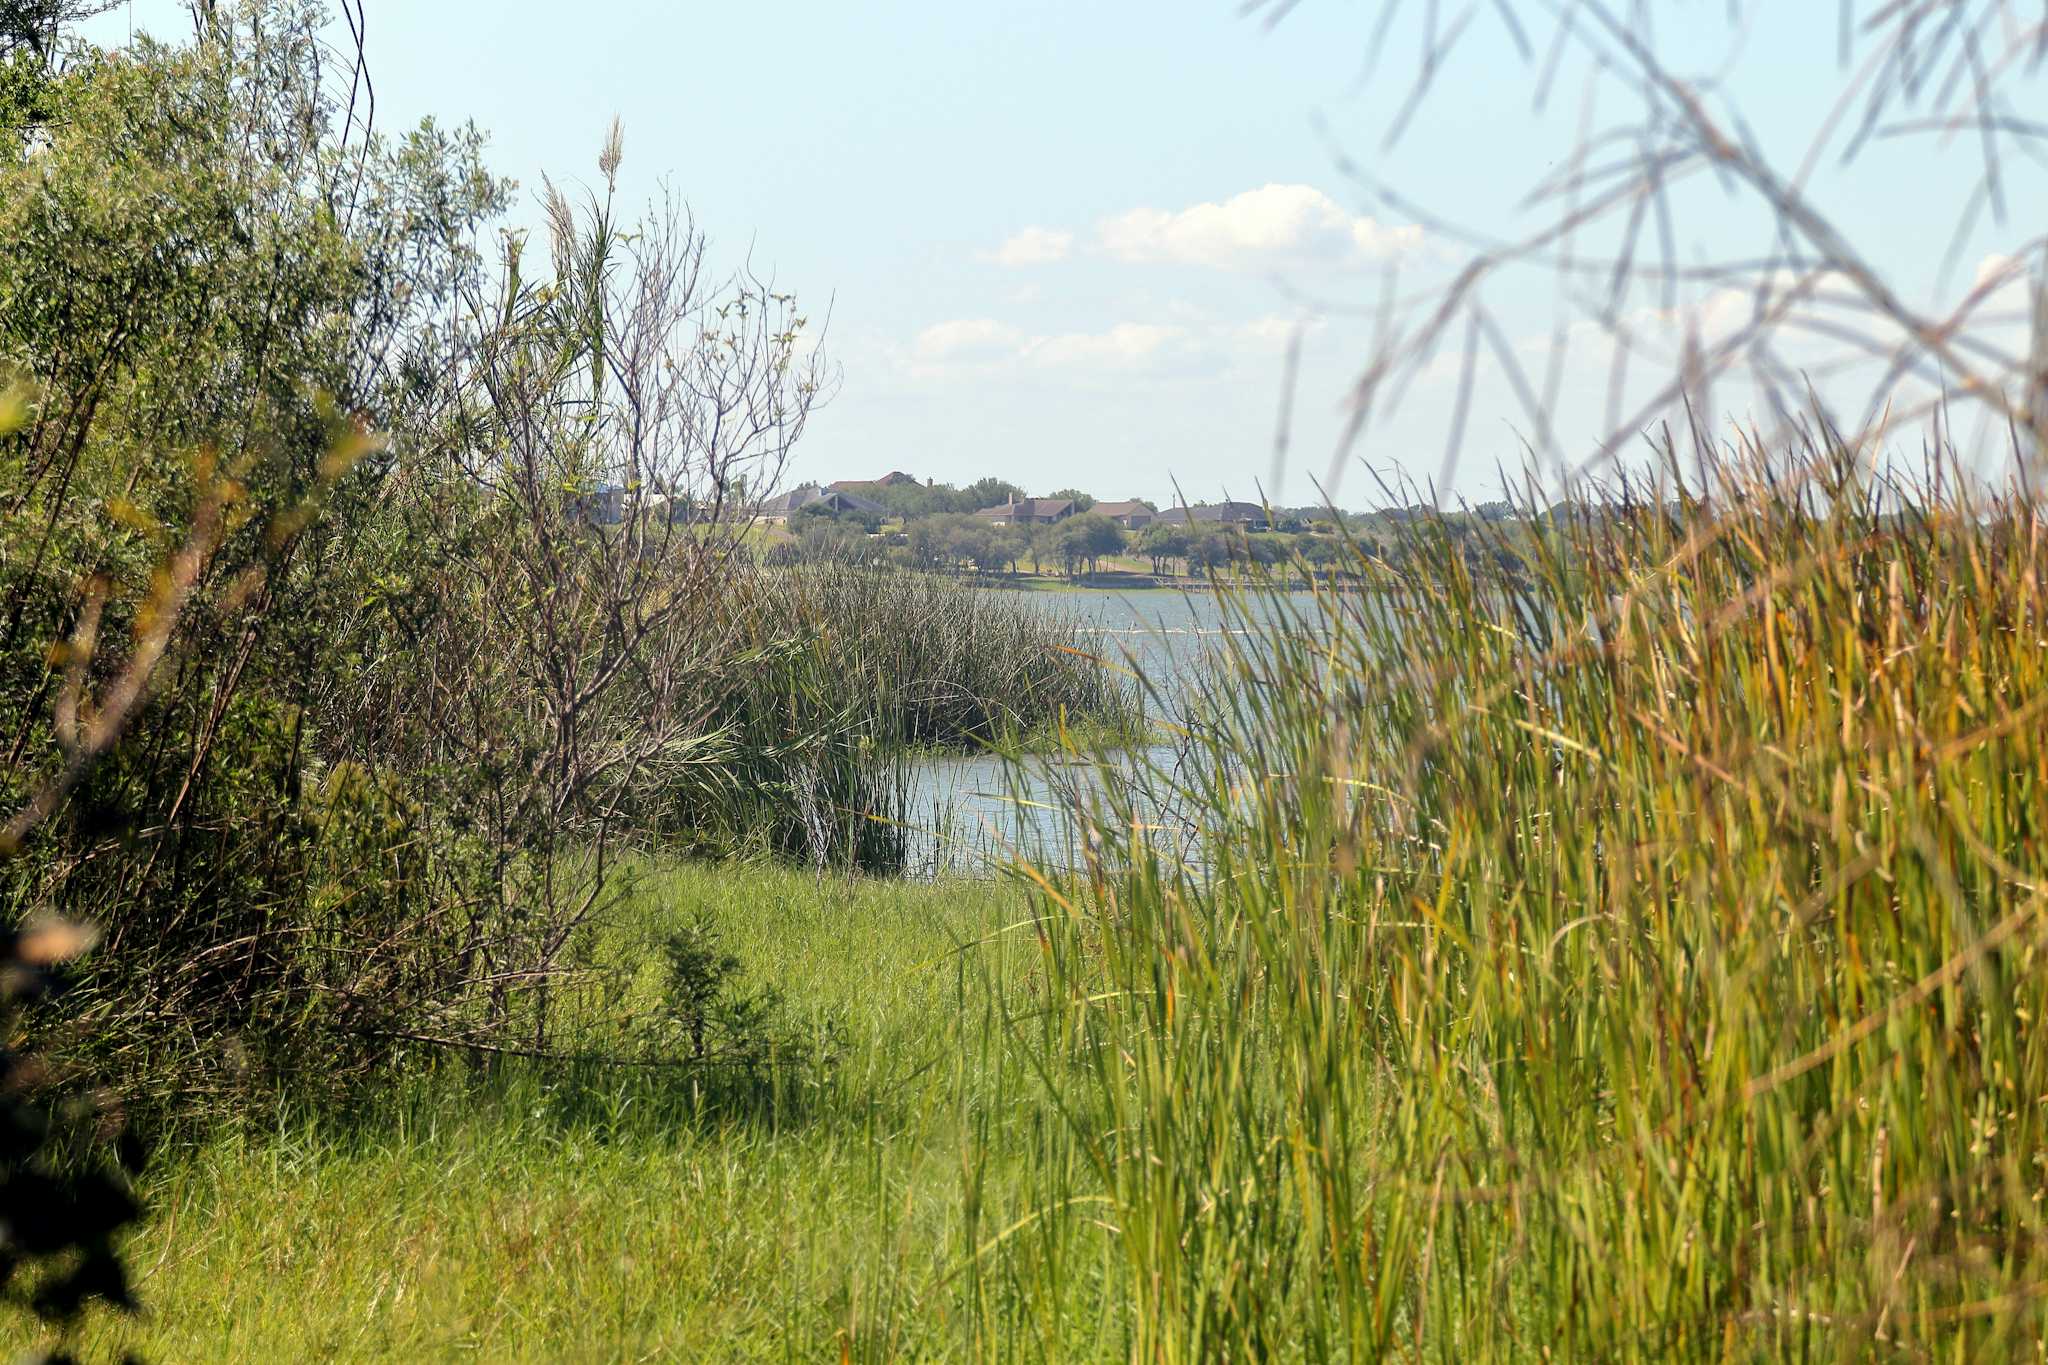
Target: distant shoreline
[(1137, 583), (1109, 582)]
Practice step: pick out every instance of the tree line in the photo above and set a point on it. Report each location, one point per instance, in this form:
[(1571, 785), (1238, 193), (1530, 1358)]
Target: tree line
[(1315, 542)]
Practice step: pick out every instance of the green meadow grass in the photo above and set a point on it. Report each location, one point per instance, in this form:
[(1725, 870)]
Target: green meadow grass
[(620, 1215)]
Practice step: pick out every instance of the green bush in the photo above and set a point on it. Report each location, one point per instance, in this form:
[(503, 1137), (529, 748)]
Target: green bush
[(196, 342)]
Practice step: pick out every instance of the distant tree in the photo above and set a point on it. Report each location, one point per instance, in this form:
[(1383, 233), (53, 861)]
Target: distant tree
[(1042, 544), (925, 540), (1082, 502), (1304, 518), (1269, 550), (1163, 543), (1211, 551), (1015, 543), (989, 493), (931, 541), (970, 540), (868, 522), (912, 500), (1105, 537), (1061, 544), (1085, 539), (1318, 551)]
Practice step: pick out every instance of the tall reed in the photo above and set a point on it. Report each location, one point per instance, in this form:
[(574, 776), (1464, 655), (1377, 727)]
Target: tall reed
[(1617, 936), (939, 662)]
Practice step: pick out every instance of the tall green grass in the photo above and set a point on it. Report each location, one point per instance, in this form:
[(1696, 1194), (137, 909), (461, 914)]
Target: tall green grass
[(541, 1212), (938, 662), (1622, 939)]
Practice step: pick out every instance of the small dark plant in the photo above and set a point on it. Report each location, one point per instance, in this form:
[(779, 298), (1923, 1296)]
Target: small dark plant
[(709, 1016), (63, 1201)]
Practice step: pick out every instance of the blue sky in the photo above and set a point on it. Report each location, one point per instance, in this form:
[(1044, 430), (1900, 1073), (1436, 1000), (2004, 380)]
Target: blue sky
[(1065, 242)]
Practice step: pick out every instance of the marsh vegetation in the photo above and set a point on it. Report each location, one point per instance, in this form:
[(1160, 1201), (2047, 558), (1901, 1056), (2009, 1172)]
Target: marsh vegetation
[(455, 884)]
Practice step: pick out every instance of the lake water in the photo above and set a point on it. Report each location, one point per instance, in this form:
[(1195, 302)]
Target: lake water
[(974, 812)]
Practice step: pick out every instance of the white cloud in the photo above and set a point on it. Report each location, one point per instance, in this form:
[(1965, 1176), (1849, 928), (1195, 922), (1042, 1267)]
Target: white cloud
[(1273, 225), (1127, 345), (966, 339), (1033, 246), (1182, 350), (1272, 335)]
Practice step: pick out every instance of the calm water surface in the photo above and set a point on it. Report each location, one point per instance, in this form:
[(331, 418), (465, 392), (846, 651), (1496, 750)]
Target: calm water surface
[(976, 811)]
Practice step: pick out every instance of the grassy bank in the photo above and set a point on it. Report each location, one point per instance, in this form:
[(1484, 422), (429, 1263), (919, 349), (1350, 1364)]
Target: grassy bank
[(629, 1214)]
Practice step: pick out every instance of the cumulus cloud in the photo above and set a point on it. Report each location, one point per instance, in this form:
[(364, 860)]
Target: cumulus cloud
[(1034, 246), (1273, 225), (1271, 335), (1127, 345), (1191, 349), (966, 339)]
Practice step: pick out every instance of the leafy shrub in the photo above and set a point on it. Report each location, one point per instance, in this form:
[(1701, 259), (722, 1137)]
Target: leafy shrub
[(707, 1016)]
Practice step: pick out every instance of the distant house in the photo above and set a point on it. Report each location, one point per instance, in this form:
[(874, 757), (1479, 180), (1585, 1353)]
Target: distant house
[(604, 505), (1028, 511), (895, 478), (780, 507), (1235, 516), (1129, 515), (611, 504), (783, 506), (677, 509), (1420, 511)]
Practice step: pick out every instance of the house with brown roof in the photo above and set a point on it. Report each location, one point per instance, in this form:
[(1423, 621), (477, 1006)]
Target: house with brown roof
[(895, 478), (1028, 512), (1130, 515), (783, 506), (1236, 516)]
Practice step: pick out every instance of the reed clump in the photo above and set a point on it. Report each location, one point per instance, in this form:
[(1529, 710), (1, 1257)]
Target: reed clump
[(1625, 943), (822, 684), (942, 663)]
